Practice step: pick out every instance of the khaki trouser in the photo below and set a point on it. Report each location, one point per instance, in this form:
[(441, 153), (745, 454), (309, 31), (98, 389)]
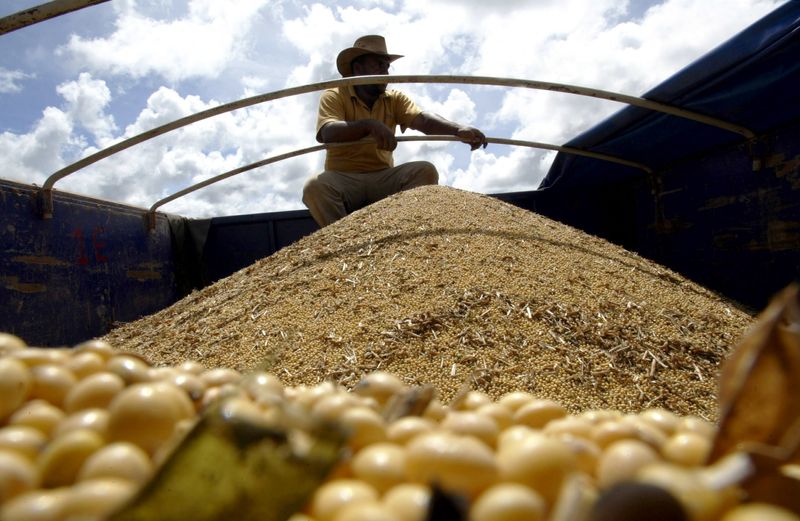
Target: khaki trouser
[(332, 195)]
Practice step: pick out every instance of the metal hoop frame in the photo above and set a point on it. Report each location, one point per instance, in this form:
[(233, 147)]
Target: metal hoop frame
[(45, 193)]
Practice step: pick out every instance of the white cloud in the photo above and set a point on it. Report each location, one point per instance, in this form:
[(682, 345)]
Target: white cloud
[(87, 99), (201, 44), (33, 156), (9, 80), (570, 41)]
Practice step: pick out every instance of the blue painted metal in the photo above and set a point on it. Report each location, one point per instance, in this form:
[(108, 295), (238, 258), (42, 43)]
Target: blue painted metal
[(719, 209), (71, 278), (751, 80), (236, 242)]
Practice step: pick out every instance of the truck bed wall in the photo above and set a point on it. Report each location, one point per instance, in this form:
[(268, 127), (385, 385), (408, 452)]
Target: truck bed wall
[(714, 219), (72, 277)]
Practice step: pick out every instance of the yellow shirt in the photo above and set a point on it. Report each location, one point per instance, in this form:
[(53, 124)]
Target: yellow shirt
[(341, 104)]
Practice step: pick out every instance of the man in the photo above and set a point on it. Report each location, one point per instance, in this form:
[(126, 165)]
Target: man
[(358, 175)]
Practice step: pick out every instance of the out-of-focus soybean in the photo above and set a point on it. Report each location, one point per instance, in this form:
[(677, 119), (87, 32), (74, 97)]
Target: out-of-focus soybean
[(515, 400), (147, 413), (473, 424), (94, 391), (92, 419), (220, 376), (365, 511), (365, 426), (508, 502), (334, 495), (379, 385), (15, 384), (51, 383), (501, 414), (37, 505), (62, 459), (538, 413), (663, 419), (38, 414), (130, 368), (119, 460), (17, 475), (538, 462), (382, 465), (409, 501), (687, 448), (402, 430), (10, 343), (474, 400), (85, 364), (621, 461), (23, 440), (262, 386), (759, 512), (98, 347), (93, 500), (456, 463), (572, 425)]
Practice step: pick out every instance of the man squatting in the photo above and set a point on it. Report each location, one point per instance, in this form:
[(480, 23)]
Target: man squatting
[(358, 175)]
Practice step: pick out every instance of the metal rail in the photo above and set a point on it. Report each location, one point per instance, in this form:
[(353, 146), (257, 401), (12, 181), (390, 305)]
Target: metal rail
[(45, 193), (42, 12), (274, 159)]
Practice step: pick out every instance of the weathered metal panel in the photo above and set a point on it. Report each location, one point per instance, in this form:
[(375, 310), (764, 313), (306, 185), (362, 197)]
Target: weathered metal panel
[(70, 278), (730, 226), (236, 242)]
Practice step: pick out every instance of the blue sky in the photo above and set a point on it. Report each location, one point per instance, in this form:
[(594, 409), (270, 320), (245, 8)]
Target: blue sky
[(78, 83)]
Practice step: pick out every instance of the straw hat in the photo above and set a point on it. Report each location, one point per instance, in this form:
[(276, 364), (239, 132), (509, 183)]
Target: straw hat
[(371, 44)]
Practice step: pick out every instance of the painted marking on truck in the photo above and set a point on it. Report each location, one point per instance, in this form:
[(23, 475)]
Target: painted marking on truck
[(143, 275), (719, 202), (41, 260), (783, 235), (789, 169), (97, 245), (13, 283)]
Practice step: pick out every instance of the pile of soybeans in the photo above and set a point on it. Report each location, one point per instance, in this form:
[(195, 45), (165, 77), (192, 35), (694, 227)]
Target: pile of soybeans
[(507, 366), (83, 430), (441, 286)]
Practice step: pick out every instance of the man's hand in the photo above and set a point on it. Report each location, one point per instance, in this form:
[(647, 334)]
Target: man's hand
[(382, 135), (471, 136)]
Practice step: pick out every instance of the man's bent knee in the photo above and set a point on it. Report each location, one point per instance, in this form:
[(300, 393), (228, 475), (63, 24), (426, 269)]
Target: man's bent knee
[(323, 202), (424, 173)]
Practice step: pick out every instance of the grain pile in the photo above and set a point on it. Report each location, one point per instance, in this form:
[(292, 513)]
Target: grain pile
[(442, 286)]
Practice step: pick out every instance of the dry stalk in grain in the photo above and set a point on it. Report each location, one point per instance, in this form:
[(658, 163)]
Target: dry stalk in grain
[(442, 286)]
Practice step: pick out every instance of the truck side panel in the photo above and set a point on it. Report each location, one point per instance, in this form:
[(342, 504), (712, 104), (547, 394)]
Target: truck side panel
[(70, 278)]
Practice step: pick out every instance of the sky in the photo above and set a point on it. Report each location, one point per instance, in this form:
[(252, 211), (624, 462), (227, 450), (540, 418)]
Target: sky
[(78, 83)]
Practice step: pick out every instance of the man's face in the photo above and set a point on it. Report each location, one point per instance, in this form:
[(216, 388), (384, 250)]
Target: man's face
[(372, 65)]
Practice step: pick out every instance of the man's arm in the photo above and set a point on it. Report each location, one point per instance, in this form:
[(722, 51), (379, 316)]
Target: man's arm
[(430, 123), (344, 131)]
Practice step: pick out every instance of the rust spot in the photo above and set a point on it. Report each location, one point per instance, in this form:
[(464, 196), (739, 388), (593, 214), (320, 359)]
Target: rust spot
[(143, 275), (786, 168), (13, 283), (40, 260), (783, 235), (151, 265), (718, 202)]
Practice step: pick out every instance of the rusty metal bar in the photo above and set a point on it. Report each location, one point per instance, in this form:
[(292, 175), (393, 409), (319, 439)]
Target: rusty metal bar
[(42, 12), (301, 151), (45, 192)]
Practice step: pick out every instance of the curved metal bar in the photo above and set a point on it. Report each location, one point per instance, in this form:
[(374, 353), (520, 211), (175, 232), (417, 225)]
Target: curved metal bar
[(365, 80), (42, 12), (281, 157)]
